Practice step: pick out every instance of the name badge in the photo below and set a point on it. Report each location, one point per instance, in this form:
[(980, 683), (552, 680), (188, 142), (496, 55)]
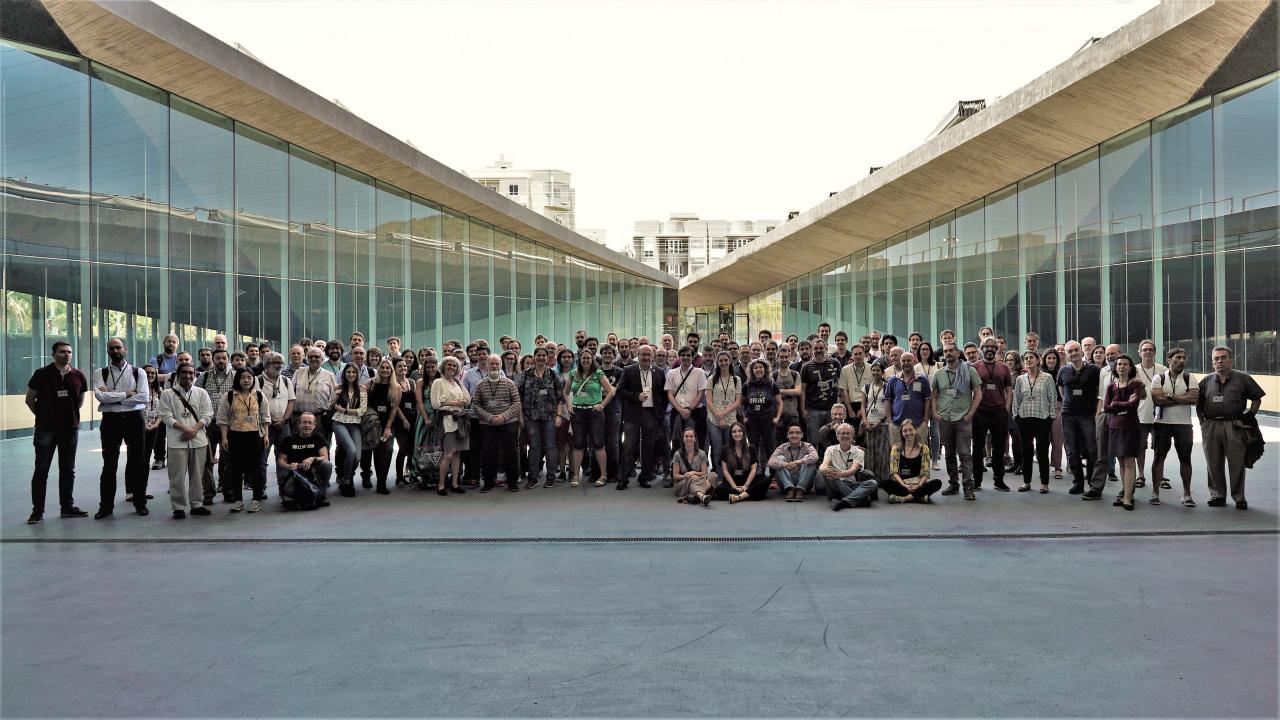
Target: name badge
[(382, 408), (64, 393), (1123, 412), (542, 392), (991, 386), (1077, 391), (1218, 399), (915, 386), (951, 392)]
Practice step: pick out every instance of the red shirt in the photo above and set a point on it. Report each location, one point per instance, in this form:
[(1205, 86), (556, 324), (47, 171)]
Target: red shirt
[(995, 380), (58, 397)]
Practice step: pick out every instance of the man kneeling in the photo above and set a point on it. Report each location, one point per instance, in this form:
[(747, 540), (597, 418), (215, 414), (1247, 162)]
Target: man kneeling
[(304, 467), (841, 467)]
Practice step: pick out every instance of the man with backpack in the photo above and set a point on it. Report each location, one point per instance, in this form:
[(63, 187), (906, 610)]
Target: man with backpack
[(167, 361), (1174, 396), (122, 393), (303, 468), (957, 394), (217, 383)]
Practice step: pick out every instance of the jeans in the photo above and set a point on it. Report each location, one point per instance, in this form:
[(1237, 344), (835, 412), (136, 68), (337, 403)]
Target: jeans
[(126, 427), (1082, 448), (802, 478), (348, 437), (65, 441), (613, 442), (645, 439), (719, 437), (1035, 438), (957, 439), (857, 489), (498, 448), (995, 423), (814, 421), (542, 444)]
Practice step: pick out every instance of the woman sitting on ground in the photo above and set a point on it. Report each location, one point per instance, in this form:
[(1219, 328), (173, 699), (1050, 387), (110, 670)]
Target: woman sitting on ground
[(691, 471), (740, 475), (909, 469)]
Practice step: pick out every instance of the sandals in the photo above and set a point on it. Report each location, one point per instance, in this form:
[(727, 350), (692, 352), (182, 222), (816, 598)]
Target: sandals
[(735, 499), (599, 482), (1057, 473), (1119, 502), (1024, 487), (1044, 489), (1155, 500), (1164, 484), (1188, 502)]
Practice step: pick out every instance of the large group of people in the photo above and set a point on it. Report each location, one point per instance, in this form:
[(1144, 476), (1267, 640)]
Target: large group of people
[(719, 421)]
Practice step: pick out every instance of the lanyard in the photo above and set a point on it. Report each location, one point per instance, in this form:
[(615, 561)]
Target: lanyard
[(117, 377)]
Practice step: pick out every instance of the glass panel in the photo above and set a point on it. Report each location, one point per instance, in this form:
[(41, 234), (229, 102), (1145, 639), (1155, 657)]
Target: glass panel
[(921, 275), (312, 216), (200, 188), (1038, 238), (262, 231), (479, 250), (42, 303), (453, 266), (942, 257), (392, 261), (503, 284), (425, 246), (1079, 212), (971, 264), (355, 235), (1126, 212)]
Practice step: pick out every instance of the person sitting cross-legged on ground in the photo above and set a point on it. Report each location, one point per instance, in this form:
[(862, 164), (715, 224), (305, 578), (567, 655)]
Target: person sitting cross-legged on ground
[(842, 471), (740, 476), (794, 463), (691, 471), (909, 465)]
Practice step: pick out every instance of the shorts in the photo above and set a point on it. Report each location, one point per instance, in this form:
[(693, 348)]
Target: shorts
[(1179, 436), (1144, 432), (588, 428)]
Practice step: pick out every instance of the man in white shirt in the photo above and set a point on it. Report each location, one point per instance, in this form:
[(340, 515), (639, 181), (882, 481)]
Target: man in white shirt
[(278, 392), (122, 394), (1174, 396), (840, 466), (313, 390), (186, 411), (1145, 373)]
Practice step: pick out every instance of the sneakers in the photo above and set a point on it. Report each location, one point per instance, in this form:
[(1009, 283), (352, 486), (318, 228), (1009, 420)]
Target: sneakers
[(1076, 490), (1217, 502), (255, 506), (573, 483), (157, 465), (1002, 487), (531, 483), (200, 511), (237, 506), (35, 518), (1091, 495), (968, 495), (895, 499), (179, 515), (73, 512), (952, 489)]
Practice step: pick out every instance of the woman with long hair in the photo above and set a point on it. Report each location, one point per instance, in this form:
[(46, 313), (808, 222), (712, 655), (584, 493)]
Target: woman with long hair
[(404, 426), (1124, 431), (587, 392), (927, 366), (427, 424), (1050, 363), (151, 418), (349, 405), (451, 400), (691, 471), (244, 417), (1014, 362), (909, 479), (740, 475), (384, 401), (564, 439), (875, 426), (724, 396)]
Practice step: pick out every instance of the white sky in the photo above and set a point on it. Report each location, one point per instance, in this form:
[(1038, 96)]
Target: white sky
[(732, 110)]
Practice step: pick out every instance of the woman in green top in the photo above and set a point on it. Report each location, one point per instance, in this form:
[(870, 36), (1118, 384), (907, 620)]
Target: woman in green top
[(587, 392)]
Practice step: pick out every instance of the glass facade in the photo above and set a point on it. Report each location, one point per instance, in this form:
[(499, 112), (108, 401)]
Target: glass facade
[(1167, 231), (130, 212)]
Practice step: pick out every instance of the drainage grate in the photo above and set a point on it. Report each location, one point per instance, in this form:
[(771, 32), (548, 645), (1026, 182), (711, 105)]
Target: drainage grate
[(589, 540)]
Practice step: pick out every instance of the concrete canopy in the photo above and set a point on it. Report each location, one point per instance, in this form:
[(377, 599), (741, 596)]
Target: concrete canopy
[(146, 41), (1153, 64)]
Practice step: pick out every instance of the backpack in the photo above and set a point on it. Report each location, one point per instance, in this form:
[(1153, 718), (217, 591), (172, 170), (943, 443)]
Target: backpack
[(299, 492), (138, 383)]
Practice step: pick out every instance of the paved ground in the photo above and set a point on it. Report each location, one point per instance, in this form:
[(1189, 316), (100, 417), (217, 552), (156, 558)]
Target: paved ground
[(147, 619)]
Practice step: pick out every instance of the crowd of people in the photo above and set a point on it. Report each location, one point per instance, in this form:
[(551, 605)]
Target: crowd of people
[(712, 422)]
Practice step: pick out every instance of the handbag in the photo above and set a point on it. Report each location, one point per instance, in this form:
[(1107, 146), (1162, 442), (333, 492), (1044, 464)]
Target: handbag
[(370, 430), (429, 450)]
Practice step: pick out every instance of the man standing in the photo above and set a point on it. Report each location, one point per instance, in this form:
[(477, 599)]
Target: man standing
[(819, 389), (297, 354), (992, 418), (278, 392), (167, 361), (1079, 383), (122, 394), (357, 341), (1221, 407), (186, 411), (55, 394), (643, 390), (907, 396), (957, 396), (1145, 373), (1174, 396), (496, 404), (1104, 464), (313, 389), (853, 377), (217, 383), (1031, 342)]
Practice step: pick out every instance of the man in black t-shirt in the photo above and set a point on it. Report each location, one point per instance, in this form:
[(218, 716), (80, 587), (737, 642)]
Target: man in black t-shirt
[(819, 389), (305, 453), (55, 394)]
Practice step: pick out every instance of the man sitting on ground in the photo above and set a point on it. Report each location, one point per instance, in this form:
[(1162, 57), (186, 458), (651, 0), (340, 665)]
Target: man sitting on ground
[(306, 454)]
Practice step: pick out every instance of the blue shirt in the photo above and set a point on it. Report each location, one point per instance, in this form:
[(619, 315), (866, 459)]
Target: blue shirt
[(907, 399)]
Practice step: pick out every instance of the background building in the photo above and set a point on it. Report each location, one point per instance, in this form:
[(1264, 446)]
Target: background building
[(154, 180), (685, 244), (1129, 193), (546, 192)]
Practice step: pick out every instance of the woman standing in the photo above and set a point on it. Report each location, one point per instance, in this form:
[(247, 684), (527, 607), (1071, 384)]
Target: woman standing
[(1035, 401), (151, 417), (245, 416), (451, 400), (1124, 437), (723, 399), (928, 367), (875, 425), (564, 368), (689, 469), (1014, 362), (404, 426), (349, 406), (384, 401), (1050, 362), (740, 478), (909, 469), (762, 407), (425, 431), (588, 391), (423, 354)]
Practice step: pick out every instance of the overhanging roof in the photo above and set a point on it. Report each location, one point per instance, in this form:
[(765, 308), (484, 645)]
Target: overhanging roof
[(1152, 65), (143, 39)]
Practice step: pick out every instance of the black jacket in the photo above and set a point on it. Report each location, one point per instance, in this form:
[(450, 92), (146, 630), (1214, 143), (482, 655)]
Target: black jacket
[(629, 390)]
